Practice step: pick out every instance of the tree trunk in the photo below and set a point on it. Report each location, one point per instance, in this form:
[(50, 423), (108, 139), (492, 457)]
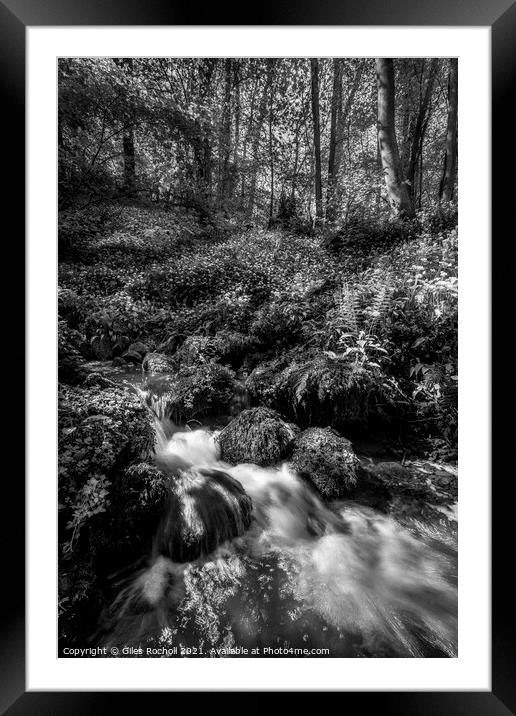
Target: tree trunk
[(271, 152), (450, 159), (262, 110), (129, 178), (418, 135), (314, 64), (397, 191), (336, 112), (225, 135)]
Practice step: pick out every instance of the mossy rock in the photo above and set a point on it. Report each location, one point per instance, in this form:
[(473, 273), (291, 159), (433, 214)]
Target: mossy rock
[(315, 390), (327, 459), (205, 508), (257, 435), (158, 363), (192, 512)]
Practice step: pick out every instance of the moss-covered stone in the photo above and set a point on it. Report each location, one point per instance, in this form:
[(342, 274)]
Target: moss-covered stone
[(327, 459), (257, 435), (158, 363), (204, 509), (189, 513), (315, 389)]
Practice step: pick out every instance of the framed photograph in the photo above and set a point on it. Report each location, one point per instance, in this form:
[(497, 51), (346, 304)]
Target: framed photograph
[(258, 445)]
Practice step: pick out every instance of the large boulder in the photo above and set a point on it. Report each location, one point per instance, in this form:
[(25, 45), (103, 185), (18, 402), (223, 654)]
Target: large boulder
[(257, 435), (200, 510), (327, 459), (157, 363), (313, 388)]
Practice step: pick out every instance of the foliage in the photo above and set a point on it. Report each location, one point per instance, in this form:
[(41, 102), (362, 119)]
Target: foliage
[(319, 389), (194, 391)]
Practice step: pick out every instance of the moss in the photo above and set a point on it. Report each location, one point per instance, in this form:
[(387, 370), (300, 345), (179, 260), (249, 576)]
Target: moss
[(157, 363), (258, 436), (327, 459), (315, 390)]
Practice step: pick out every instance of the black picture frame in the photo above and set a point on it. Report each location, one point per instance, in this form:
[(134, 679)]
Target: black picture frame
[(500, 15)]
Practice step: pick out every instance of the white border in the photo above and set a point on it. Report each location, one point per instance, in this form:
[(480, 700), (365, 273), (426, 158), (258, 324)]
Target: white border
[(471, 670)]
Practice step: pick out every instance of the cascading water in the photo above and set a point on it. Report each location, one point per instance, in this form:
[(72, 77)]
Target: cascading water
[(339, 580)]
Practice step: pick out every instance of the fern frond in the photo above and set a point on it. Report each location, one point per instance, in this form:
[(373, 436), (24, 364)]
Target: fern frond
[(348, 308), (381, 302)]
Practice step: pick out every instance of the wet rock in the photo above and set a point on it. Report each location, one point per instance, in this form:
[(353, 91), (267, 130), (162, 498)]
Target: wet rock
[(257, 435), (204, 509), (119, 362), (189, 513), (327, 459), (158, 363)]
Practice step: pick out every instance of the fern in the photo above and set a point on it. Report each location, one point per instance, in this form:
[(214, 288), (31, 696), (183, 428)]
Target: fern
[(348, 308), (381, 303)]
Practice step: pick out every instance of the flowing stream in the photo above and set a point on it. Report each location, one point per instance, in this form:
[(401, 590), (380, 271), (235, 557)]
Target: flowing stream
[(306, 578)]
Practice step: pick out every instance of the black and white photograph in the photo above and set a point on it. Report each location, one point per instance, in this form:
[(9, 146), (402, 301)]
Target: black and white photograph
[(257, 357)]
